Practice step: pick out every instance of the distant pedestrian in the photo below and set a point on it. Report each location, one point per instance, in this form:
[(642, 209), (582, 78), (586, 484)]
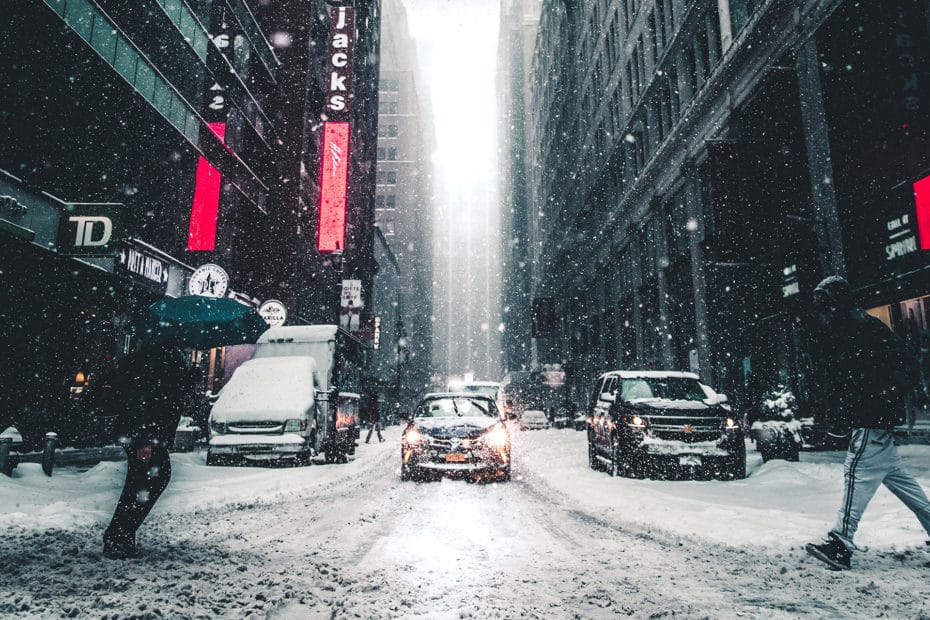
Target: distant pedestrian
[(868, 372), (150, 385), (373, 415)]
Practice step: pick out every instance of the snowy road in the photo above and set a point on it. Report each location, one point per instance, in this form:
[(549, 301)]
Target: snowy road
[(353, 541)]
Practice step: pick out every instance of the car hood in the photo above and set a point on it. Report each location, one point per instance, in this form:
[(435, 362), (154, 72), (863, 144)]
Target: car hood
[(658, 406), (466, 427)]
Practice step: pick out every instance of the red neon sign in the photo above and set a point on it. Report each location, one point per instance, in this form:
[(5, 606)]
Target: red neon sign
[(201, 234), (922, 198), (333, 187)]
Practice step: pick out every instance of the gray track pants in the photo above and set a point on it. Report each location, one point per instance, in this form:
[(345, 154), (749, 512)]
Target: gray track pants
[(872, 460)]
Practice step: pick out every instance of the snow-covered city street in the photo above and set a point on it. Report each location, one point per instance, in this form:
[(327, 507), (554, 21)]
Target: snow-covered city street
[(559, 540)]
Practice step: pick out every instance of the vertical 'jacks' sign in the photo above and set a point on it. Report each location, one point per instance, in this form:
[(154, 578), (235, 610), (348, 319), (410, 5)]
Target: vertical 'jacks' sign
[(335, 151), (201, 235), (341, 47)]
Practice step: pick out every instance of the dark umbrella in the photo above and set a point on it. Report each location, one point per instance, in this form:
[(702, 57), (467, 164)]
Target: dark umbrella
[(200, 322)]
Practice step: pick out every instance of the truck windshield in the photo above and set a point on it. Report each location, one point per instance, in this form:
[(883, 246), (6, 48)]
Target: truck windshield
[(661, 388)]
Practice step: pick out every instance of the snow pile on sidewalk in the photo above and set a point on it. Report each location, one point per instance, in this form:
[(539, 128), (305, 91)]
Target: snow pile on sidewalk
[(72, 498), (779, 505)]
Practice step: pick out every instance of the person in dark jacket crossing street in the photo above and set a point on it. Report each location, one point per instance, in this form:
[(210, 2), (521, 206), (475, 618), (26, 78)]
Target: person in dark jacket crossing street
[(150, 387), (869, 374)]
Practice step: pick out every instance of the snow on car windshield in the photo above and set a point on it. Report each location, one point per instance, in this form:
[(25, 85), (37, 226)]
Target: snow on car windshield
[(661, 388), (461, 406)]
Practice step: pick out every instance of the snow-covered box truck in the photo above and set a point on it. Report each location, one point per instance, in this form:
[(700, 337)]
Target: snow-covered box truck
[(337, 377)]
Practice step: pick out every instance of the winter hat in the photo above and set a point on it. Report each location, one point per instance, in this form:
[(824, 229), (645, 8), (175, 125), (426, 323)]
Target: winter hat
[(834, 291)]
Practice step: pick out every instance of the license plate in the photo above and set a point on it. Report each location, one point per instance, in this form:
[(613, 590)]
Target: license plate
[(690, 460), (455, 457)]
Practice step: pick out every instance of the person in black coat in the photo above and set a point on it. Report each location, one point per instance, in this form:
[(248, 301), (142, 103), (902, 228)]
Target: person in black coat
[(868, 372), (151, 386)]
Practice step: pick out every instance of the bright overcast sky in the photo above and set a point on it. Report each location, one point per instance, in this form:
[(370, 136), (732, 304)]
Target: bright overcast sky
[(457, 48)]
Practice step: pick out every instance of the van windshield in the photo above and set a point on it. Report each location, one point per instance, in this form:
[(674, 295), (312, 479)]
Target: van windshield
[(485, 390)]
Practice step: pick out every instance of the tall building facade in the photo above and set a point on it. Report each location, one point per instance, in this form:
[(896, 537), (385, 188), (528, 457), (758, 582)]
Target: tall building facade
[(519, 22), (144, 139), (404, 216), (699, 165)]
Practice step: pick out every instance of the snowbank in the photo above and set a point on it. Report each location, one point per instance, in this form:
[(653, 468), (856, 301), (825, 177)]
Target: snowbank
[(779, 505)]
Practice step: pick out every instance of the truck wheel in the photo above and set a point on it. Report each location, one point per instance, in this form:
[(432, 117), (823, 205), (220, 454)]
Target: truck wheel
[(616, 465), (592, 457)]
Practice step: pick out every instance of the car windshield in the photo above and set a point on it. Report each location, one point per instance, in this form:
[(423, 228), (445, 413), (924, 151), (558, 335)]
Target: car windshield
[(661, 388), (456, 406)]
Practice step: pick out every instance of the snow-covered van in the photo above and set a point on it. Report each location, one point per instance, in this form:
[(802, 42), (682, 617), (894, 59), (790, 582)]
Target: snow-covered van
[(338, 374), (267, 411)]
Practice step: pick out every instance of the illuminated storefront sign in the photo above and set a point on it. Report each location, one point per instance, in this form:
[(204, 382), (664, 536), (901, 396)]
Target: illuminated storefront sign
[(205, 207), (333, 187), (341, 46), (334, 174), (922, 201)]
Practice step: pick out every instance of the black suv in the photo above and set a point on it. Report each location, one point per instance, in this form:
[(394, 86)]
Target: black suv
[(663, 423)]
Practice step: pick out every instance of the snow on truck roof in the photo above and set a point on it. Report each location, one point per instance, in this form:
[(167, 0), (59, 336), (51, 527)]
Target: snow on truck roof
[(655, 374), (299, 333)]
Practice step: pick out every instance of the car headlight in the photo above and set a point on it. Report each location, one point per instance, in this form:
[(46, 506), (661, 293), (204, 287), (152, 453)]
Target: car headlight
[(497, 437), (637, 422), (413, 436), (218, 427), (730, 424), (295, 425)]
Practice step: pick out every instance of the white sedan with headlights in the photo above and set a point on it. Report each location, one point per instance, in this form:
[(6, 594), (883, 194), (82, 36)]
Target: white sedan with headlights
[(456, 434)]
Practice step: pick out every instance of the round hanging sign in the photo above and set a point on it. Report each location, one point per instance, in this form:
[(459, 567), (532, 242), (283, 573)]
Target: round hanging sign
[(274, 312), (209, 281)]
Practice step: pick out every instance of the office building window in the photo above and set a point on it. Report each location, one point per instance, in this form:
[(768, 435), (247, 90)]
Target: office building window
[(391, 153), (379, 201), (382, 153), (390, 201), (392, 177)]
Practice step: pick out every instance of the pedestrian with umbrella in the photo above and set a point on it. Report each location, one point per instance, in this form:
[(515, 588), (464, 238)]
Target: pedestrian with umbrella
[(151, 386)]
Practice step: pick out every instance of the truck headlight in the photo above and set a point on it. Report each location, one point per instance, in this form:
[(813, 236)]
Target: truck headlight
[(295, 425), (637, 422), (730, 424), (218, 427)]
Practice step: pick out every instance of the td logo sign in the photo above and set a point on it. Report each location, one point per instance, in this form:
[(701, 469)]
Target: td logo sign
[(90, 229)]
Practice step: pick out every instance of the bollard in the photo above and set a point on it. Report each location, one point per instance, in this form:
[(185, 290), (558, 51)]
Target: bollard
[(48, 453)]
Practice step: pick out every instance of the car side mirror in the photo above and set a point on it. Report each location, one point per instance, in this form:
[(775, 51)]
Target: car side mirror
[(608, 397)]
